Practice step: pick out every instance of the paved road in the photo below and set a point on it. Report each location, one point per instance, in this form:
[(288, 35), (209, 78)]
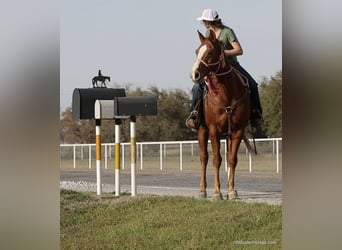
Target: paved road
[(256, 186)]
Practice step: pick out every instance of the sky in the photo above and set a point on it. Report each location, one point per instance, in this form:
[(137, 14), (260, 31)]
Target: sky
[(152, 42)]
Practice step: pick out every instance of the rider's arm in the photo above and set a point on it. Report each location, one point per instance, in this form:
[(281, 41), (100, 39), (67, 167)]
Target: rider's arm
[(235, 51)]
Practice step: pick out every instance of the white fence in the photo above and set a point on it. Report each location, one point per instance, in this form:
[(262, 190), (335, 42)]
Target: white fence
[(184, 153)]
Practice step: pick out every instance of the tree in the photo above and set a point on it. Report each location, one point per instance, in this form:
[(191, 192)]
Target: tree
[(271, 102), (169, 123), (76, 131)]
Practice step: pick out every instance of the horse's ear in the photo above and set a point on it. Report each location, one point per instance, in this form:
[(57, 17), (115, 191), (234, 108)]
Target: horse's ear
[(212, 36), (201, 37)]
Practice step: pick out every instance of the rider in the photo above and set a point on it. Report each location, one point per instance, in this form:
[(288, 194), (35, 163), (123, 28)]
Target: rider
[(232, 49)]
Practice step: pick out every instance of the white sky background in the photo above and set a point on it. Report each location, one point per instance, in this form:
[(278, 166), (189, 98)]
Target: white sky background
[(152, 42)]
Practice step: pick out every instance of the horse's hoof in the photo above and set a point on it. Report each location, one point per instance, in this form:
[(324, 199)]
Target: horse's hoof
[(232, 195), (217, 197), (202, 195)]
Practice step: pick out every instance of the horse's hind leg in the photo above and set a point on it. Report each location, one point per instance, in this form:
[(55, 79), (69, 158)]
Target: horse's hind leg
[(233, 147), (203, 143)]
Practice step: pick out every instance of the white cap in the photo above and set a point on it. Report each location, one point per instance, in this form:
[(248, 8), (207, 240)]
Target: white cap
[(209, 15)]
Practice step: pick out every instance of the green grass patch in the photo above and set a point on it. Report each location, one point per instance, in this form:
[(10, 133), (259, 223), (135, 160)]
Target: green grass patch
[(167, 222)]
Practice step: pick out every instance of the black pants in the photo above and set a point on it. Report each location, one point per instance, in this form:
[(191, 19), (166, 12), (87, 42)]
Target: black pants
[(256, 110)]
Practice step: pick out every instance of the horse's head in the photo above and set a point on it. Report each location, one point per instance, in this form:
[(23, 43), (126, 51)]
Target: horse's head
[(209, 57)]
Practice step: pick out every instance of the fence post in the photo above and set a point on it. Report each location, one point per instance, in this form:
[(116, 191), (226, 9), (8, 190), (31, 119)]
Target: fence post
[(277, 149), (181, 156), (89, 153), (106, 157), (74, 149), (161, 156), (141, 156)]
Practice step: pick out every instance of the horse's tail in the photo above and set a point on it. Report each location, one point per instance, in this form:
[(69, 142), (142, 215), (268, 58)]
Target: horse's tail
[(250, 148)]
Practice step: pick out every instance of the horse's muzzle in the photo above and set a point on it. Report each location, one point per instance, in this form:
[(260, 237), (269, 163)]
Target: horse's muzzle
[(195, 76)]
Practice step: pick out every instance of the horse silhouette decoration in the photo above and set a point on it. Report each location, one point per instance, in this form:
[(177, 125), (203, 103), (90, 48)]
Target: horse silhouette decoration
[(225, 109), (100, 78)]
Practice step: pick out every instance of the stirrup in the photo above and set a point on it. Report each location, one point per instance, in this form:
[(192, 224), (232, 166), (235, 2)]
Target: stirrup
[(192, 121)]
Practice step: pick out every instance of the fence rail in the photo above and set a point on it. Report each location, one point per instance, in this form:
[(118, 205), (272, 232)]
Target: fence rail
[(165, 154)]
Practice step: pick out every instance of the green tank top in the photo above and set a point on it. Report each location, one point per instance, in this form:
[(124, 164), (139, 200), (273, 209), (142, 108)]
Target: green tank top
[(226, 37)]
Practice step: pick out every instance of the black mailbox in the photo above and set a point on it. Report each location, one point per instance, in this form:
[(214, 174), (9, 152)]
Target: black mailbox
[(83, 100), (135, 106)]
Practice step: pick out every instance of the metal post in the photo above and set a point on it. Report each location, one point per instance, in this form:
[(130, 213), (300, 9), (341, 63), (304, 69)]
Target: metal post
[(74, 155), (180, 156), (117, 158), (141, 156), (106, 157), (161, 156), (133, 155), (277, 146), (89, 153), (98, 156)]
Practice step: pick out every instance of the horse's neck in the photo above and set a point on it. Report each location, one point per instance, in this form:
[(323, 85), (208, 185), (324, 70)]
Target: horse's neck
[(231, 88)]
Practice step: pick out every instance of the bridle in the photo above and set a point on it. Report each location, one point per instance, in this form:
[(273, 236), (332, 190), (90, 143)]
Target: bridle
[(221, 63)]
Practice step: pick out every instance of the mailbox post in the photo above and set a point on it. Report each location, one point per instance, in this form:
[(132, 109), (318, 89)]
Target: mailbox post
[(124, 108), (83, 101)]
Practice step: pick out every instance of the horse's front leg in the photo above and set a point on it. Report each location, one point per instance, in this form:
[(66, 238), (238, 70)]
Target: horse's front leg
[(203, 144), (217, 159), (233, 147)]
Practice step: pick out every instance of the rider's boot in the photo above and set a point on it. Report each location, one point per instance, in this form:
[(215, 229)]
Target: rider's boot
[(193, 121)]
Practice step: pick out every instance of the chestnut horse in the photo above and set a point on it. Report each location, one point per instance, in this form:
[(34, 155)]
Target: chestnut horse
[(226, 111)]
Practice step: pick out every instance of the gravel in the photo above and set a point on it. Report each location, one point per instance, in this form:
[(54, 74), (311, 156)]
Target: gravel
[(271, 198)]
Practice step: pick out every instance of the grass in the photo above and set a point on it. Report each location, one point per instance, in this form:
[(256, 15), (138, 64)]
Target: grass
[(165, 222)]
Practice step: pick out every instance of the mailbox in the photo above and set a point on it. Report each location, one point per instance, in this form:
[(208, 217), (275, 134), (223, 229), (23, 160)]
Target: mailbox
[(83, 100), (135, 106)]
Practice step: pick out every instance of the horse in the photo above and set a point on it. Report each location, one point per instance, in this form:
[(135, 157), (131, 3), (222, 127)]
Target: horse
[(101, 79), (225, 111)]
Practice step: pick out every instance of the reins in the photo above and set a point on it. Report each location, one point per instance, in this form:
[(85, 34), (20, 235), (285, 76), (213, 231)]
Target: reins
[(230, 109)]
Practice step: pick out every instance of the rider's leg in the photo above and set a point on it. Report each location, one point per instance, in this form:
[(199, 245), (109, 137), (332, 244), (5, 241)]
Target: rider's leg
[(255, 106), (193, 120)]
